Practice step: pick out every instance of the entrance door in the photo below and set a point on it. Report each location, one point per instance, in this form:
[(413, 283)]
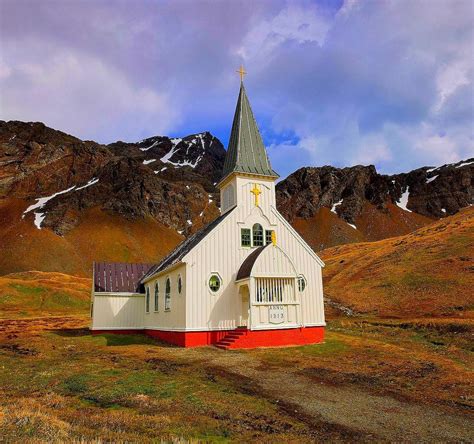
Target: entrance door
[(245, 301)]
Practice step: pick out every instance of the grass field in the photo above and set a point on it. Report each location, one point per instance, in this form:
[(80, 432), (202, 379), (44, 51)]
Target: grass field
[(365, 382), (398, 368)]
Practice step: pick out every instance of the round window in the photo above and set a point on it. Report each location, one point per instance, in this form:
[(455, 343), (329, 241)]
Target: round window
[(214, 283), (301, 283), (180, 285)]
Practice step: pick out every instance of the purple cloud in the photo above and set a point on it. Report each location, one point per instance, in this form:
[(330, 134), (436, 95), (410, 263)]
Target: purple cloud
[(381, 82)]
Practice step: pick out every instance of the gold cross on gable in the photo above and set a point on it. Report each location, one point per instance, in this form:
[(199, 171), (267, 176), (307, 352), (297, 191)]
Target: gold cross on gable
[(242, 72), (256, 192)]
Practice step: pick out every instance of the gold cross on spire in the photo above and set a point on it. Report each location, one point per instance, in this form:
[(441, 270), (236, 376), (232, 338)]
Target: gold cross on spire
[(256, 192), (242, 72)]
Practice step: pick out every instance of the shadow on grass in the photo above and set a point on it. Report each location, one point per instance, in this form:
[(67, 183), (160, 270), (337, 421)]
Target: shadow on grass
[(71, 332), (112, 339)]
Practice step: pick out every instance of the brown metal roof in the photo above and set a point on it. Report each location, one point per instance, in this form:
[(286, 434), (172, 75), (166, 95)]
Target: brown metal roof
[(247, 265), (119, 277)]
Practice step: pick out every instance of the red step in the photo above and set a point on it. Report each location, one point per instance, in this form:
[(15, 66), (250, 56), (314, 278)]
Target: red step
[(231, 338)]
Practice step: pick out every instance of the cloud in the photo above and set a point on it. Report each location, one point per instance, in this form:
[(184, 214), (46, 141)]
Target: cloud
[(79, 94), (330, 82)]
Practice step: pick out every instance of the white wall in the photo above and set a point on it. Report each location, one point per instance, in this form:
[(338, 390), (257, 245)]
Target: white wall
[(175, 318), (117, 311)]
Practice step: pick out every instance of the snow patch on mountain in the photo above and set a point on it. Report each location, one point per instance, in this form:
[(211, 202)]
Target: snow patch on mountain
[(402, 203), (333, 209), (88, 184)]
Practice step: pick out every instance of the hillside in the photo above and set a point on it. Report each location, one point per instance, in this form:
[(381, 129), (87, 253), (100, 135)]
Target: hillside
[(35, 293), (427, 273), (65, 202)]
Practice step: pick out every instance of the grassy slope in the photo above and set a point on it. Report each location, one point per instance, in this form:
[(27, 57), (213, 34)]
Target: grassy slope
[(99, 236), (327, 229), (426, 273), (36, 293)]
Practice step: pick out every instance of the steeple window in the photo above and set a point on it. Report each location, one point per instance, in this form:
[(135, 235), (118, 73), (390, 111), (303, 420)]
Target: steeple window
[(257, 235)]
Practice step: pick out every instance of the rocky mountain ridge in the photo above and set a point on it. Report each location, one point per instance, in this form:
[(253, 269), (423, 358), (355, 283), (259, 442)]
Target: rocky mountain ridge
[(433, 192), (51, 182), (171, 180)]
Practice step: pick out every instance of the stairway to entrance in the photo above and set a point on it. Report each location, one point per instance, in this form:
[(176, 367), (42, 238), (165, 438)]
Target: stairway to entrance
[(232, 339)]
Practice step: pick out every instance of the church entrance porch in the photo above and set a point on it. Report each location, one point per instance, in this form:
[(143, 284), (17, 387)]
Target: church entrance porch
[(274, 302)]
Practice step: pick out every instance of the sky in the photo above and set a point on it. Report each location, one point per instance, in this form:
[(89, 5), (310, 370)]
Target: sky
[(331, 82)]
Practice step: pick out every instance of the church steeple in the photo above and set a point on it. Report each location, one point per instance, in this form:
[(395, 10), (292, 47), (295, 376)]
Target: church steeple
[(246, 152)]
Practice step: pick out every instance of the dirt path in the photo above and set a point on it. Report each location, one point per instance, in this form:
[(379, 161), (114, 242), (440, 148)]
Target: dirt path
[(373, 416)]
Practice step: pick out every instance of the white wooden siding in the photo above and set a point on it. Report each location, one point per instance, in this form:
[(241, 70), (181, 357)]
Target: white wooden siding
[(120, 311), (175, 318)]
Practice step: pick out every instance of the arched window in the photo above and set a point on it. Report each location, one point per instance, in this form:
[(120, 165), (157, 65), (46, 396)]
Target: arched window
[(156, 296), (147, 300), (301, 283), (180, 284), (257, 235), (168, 295)]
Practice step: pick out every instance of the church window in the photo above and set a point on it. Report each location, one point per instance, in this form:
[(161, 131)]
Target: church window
[(245, 237), (257, 234), (301, 283), (268, 236), (214, 283), (180, 284), (168, 295), (147, 300), (156, 296)]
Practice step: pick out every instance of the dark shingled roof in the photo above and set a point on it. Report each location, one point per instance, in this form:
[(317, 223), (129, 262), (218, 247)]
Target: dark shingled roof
[(247, 265), (246, 152), (119, 277), (186, 246)]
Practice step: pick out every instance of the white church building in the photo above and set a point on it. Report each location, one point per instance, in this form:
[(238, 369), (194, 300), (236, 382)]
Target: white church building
[(246, 280)]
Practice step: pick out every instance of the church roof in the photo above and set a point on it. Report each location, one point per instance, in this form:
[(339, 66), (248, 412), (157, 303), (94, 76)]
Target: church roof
[(185, 247), (246, 152), (115, 277)]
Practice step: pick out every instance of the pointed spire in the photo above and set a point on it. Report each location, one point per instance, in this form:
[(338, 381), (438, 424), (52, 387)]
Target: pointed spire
[(246, 152)]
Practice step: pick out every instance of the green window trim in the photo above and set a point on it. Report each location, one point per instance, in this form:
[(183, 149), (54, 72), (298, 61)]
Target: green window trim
[(168, 295), (245, 237), (147, 300), (257, 235), (215, 283), (268, 236), (301, 283), (156, 296)]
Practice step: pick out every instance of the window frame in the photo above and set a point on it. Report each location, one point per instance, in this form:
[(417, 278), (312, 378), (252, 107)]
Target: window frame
[(147, 299), (157, 295), (268, 237), (249, 230), (219, 278), (168, 294), (180, 284), (255, 227), (302, 278)]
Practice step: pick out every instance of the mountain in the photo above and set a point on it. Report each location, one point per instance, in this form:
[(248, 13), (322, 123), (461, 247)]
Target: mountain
[(429, 272), (331, 206), (65, 202)]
